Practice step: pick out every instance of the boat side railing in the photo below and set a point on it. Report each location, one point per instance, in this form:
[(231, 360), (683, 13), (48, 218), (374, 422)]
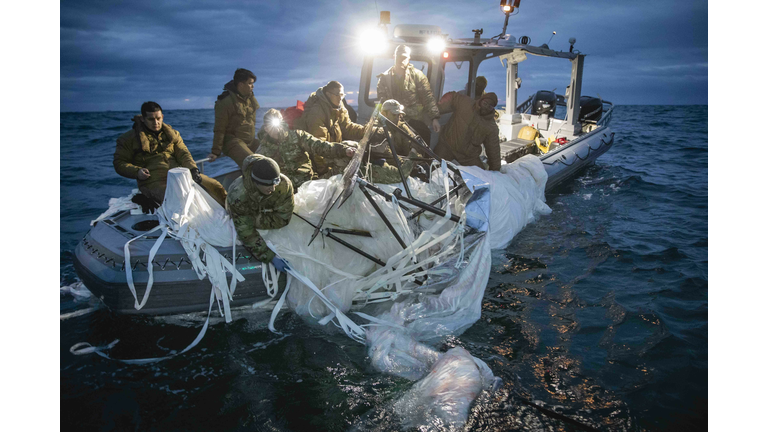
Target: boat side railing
[(605, 119), (607, 115), (525, 106), (201, 164)]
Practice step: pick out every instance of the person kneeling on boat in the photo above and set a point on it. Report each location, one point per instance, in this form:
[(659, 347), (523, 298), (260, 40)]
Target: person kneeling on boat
[(383, 167), (261, 199), (291, 149), (150, 149), (471, 127)]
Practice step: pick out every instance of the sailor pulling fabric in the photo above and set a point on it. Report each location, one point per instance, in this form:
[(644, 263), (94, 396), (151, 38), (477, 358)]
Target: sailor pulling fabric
[(253, 210)]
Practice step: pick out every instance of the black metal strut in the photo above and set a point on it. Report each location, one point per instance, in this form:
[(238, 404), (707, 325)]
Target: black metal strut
[(344, 243)]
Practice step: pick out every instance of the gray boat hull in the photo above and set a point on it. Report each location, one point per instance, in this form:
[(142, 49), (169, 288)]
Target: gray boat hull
[(567, 161), (100, 264)]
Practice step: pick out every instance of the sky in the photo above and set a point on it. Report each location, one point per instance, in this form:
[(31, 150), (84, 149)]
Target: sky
[(116, 55)]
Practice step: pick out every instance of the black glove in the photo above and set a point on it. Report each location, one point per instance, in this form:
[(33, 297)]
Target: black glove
[(196, 176)]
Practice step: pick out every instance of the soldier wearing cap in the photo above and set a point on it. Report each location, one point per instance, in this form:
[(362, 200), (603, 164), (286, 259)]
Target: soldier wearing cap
[(262, 199), (395, 112), (410, 87), (470, 128), (234, 129), (291, 149), (383, 167)]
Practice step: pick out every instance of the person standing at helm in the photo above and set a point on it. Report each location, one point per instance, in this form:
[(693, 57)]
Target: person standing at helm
[(410, 87), (235, 125), (470, 128), (291, 148), (326, 118), (261, 199), (150, 149)]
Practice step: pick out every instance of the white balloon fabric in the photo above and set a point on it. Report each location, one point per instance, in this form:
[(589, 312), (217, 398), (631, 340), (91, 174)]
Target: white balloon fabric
[(401, 338)]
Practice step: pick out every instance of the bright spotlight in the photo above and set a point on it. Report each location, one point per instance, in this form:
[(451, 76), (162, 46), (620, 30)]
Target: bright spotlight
[(275, 122), (436, 44), (373, 41)]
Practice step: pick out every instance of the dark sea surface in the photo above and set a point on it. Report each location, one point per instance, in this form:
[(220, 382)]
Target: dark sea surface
[(596, 313)]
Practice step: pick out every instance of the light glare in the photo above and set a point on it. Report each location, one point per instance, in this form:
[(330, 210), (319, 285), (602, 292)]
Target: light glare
[(436, 44), (373, 41)]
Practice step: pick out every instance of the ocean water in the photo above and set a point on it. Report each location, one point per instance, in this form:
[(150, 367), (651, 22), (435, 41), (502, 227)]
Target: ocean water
[(595, 316)]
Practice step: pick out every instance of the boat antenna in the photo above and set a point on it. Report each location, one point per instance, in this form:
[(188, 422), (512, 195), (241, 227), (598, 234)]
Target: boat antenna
[(550, 38), (507, 7)]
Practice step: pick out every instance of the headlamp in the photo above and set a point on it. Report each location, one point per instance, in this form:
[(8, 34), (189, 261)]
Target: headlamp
[(266, 182)]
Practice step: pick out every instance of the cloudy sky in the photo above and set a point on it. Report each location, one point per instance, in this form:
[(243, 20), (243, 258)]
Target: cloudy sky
[(116, 55)]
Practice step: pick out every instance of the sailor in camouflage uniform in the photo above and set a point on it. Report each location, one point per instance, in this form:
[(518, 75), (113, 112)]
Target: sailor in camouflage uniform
[(262, 199), (381, 170), (291, 149), (410, 87)]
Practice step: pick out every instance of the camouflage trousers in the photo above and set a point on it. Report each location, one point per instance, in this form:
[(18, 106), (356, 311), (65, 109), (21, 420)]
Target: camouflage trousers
[(238, 149), (156, 190), (388, 174)]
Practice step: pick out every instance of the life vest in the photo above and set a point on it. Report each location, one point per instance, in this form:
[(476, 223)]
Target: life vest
[(291, 114)]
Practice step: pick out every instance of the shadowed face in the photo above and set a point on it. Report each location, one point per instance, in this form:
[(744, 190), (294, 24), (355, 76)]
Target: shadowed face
[(153, 120), (245, 88), (335, 97), (266, 190), (402, 59), (485, 106)]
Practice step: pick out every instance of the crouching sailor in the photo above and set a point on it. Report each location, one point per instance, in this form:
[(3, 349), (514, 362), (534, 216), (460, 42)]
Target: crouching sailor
[(261, 199), (292, 149), (381, 171), (150, 149)]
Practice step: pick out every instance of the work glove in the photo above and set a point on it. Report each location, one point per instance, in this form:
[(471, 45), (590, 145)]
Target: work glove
[(196, 175), (280, 264)]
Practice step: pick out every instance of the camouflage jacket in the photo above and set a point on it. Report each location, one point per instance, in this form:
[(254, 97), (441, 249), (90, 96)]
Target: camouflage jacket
[(402, 143), (235, 117), (414, 93), (252, 211), (327, 123), (140, 148), (467, 131), (293, 154)]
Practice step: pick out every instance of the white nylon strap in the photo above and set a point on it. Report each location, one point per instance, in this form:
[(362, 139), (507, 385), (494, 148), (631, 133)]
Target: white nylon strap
[(82, 348), (279, 305), (129, 270)]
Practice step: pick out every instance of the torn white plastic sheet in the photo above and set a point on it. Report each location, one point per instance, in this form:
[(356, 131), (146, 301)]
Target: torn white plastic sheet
[(401, 339), (117, 205)]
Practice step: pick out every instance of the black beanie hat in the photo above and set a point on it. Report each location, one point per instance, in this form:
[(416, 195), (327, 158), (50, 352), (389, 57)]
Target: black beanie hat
[(265, 172)]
